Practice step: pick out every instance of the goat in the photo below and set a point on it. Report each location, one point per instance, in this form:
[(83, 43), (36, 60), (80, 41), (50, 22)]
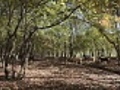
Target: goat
[(104, 59)]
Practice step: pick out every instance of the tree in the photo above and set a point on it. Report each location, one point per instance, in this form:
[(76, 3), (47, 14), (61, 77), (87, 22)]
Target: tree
[(20, 20), (100, 15)]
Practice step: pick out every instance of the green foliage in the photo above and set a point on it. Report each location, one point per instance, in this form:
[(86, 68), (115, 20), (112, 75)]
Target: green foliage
[(42, 13)]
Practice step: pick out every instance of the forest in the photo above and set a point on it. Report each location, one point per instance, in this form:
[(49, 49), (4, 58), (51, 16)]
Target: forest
[(59, 44)]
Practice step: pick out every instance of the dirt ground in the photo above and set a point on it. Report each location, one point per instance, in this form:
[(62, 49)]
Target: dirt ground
[(58, 75)]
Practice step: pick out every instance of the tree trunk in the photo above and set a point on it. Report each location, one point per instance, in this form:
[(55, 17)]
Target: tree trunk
[(71, 50), (65, 50), (118, 54), (6, 71), (57, 54), (61, 54)]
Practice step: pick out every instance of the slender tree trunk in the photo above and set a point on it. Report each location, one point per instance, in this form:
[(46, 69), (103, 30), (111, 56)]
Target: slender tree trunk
[(1, 57), (6, 71), (71, 50), (57, 54), (61, 54), (65, 50), (118, 54)]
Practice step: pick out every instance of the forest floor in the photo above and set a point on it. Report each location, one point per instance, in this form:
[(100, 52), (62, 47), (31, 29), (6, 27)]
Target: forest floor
[(58, 75)]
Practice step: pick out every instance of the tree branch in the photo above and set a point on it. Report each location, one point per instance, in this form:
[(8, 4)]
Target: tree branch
[(35, 28), (19, 21), (59, 21)]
